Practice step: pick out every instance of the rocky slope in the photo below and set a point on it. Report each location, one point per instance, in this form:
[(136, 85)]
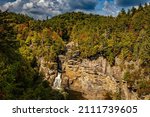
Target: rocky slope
[(96, 79), (93, 79)]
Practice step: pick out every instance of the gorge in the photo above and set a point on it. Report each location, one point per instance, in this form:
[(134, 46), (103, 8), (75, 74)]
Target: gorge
[(95, 79), (76, 56)]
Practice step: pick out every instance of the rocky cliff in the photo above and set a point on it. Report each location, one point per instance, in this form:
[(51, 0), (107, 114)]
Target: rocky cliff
[(48, 69), (94, 79)]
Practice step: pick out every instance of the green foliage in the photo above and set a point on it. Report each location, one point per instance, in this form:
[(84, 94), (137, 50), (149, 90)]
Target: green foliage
[(127, 76), (20, 45)]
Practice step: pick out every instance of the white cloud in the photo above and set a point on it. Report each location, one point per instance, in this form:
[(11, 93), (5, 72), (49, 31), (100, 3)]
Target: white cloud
[(38, 8), (110, 8), (10, 5), (43, 3), (28, 5)]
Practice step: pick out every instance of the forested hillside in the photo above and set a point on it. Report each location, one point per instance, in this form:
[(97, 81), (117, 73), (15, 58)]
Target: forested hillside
[(22, 41), (25, 42), (126, 36)]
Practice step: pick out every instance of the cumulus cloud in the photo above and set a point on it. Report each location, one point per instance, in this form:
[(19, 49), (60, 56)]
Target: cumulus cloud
[(126, 3), (10, 5), (28, 5), (49, 8), (40, 9), (43, 3), (110, 8)]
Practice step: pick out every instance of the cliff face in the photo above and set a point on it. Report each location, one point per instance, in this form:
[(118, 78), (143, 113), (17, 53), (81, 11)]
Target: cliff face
[(96, 79), (48, 69), (93, 79)]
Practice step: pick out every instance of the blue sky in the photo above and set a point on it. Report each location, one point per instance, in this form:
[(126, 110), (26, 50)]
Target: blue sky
[(40, 9)]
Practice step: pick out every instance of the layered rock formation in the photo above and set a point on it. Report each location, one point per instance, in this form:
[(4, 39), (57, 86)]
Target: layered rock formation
[(48, 70), (95, 79), (92, 79)]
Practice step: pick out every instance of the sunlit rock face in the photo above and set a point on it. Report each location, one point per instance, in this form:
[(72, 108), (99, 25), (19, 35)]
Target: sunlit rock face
[(48, 70), (95, 79), (90, 79)]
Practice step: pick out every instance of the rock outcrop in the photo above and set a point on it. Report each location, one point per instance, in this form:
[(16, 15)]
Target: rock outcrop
[(92, 79), (48, 70), (95, 79)]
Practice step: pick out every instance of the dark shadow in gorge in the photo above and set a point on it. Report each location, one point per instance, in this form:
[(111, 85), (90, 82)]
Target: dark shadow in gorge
[(59, 65), (75, 95)]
